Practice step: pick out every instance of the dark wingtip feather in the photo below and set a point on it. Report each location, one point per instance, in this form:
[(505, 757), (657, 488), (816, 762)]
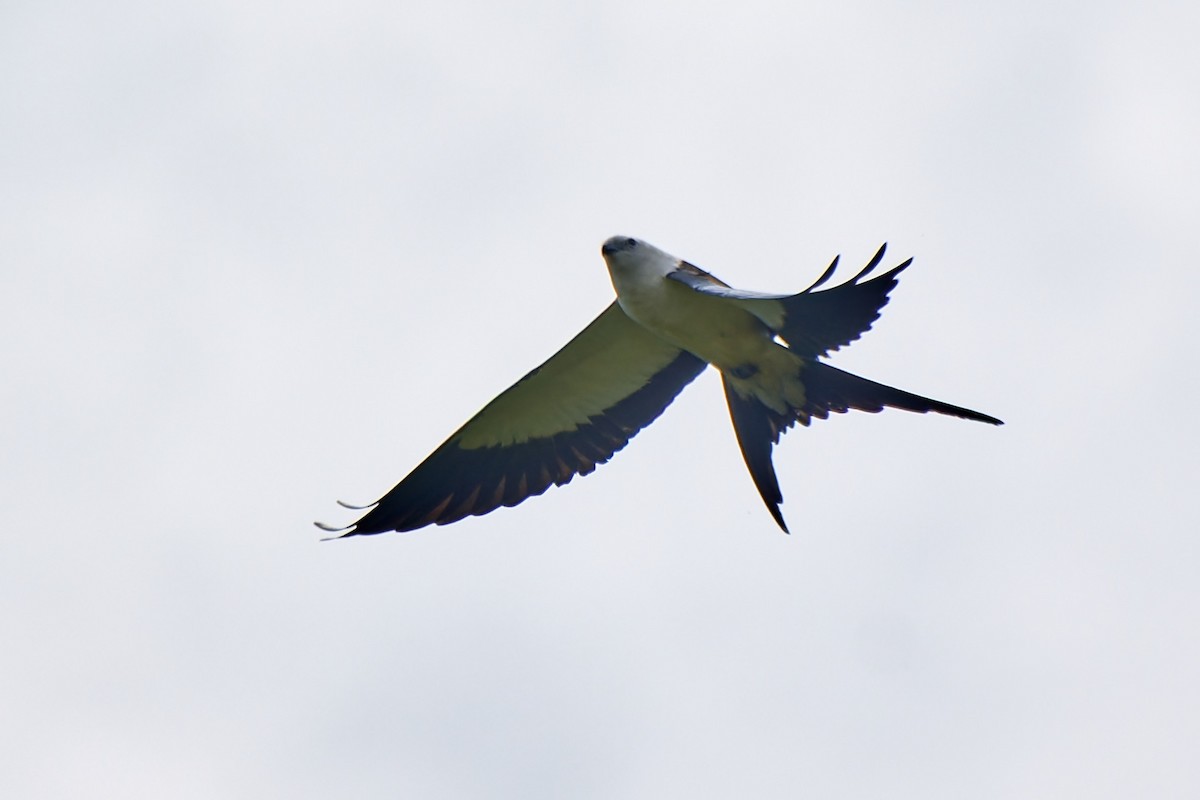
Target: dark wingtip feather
[(344, 504), (825, 276), (342, 532), (872, 264)]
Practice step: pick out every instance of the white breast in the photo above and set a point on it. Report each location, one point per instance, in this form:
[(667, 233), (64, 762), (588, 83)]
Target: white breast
[(713, 328)]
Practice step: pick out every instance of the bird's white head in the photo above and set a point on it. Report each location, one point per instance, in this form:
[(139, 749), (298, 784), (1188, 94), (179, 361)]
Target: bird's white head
[(628, 258)]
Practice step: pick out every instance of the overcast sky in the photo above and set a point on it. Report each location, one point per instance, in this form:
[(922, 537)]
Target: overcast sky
[(258, 257)]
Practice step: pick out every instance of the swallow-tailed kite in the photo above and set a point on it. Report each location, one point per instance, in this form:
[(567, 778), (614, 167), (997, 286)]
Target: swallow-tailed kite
[(670, 320)]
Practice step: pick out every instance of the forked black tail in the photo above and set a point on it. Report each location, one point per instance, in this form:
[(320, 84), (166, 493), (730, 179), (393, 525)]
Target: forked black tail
[(831, 389), (827, 390)]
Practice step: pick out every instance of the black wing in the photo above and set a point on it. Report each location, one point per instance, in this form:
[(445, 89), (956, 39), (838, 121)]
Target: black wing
[(562, 419), (813, 323), (817, 323)]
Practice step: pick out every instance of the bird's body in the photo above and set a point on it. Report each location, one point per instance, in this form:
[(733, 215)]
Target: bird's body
[(716, 330), (669, 321)]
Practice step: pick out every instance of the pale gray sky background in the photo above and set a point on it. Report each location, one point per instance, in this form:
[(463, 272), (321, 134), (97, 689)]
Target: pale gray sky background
[(261, 256)]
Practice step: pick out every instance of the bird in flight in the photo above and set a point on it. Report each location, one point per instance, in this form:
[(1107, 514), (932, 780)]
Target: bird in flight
[(670, 320)]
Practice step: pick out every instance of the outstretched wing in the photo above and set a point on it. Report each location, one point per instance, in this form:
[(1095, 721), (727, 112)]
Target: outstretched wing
[(813, 323), (562, 419), (817, 323)]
